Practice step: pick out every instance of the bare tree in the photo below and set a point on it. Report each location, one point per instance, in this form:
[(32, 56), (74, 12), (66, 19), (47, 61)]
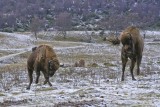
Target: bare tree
[(63, 21), (35, 26)]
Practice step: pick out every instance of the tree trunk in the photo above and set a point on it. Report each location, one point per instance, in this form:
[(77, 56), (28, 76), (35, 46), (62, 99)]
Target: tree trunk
[(35, 34), (64, 34)]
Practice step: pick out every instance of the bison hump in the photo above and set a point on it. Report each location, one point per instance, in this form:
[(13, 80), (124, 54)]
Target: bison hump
[(45, 51)]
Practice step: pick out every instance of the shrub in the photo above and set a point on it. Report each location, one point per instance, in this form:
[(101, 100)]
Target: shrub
[(8, 29), (81, 63)]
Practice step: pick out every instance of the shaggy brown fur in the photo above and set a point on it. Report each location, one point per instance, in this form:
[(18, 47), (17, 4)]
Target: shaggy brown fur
[(42, 58), (132, 48)]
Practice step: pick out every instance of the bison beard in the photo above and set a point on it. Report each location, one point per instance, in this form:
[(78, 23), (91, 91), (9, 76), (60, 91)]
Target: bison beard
[(42, 58), (132, 48)]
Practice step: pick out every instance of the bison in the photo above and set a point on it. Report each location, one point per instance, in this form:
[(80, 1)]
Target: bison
[(132, 48), (43, 58)]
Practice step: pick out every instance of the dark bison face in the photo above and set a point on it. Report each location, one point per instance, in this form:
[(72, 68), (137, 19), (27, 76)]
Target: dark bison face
[(128, 46), (53, 66)]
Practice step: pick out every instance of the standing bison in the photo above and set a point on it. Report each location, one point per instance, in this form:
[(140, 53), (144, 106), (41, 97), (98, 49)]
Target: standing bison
[(132, 48), (42, 58)]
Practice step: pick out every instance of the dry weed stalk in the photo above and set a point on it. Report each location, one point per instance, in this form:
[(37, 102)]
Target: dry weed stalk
[(114, 40), (10, 76)]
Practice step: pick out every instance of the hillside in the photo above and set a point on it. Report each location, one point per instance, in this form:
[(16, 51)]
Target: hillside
[(18, 15)]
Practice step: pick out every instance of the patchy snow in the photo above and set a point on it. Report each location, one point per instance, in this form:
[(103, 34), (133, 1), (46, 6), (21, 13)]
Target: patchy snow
[(19, 37), (82, 86), (13, 40)]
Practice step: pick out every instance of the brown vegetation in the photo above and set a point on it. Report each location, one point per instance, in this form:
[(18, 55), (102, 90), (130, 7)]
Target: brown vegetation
[(81, 63), (132, 48), (114, 40)]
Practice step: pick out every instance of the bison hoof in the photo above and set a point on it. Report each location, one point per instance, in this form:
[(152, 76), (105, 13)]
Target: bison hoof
[(49, 84), (36, 82), (122, 79), (28, 88), (44, 82), (133, 79)]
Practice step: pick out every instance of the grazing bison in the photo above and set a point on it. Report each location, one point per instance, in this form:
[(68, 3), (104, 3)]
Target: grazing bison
[(132, 48), (42, 58)]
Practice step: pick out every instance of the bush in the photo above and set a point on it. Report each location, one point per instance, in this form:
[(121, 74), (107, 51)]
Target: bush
[(8, 29), (20, 30), (93, 65), (80, 64)]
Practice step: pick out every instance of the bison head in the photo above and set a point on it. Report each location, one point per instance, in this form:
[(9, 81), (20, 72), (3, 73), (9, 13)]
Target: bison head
[(53, 65)]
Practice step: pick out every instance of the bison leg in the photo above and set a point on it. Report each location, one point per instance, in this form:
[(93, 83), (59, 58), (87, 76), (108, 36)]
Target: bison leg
[(48, 82), (46, 76), (124, 61), (37, 78), (132, 67), (30, 72), (36, 68), (138, 64)]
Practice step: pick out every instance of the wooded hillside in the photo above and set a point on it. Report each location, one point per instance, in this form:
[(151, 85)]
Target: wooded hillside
[(18, 15)]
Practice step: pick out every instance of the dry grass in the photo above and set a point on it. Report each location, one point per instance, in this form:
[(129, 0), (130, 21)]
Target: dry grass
[(109, 64), (106, 59), (4, 53), (73, 39), (114, 40), (24, 33), (12, 75), (93, 65), (25, 55), (13, 67), (58, 43), (2, 36), (43, 42)]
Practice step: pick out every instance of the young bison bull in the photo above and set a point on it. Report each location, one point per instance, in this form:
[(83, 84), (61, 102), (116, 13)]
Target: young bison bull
[(42, 58), (132, 48)]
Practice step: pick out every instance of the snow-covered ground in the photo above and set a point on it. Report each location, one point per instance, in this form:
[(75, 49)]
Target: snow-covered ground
[(79, 86)]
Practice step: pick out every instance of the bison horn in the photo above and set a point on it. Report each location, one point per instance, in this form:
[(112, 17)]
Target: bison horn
[(34, 48)]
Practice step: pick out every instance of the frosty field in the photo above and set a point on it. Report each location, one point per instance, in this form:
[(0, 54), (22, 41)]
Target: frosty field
[(98, 84)]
